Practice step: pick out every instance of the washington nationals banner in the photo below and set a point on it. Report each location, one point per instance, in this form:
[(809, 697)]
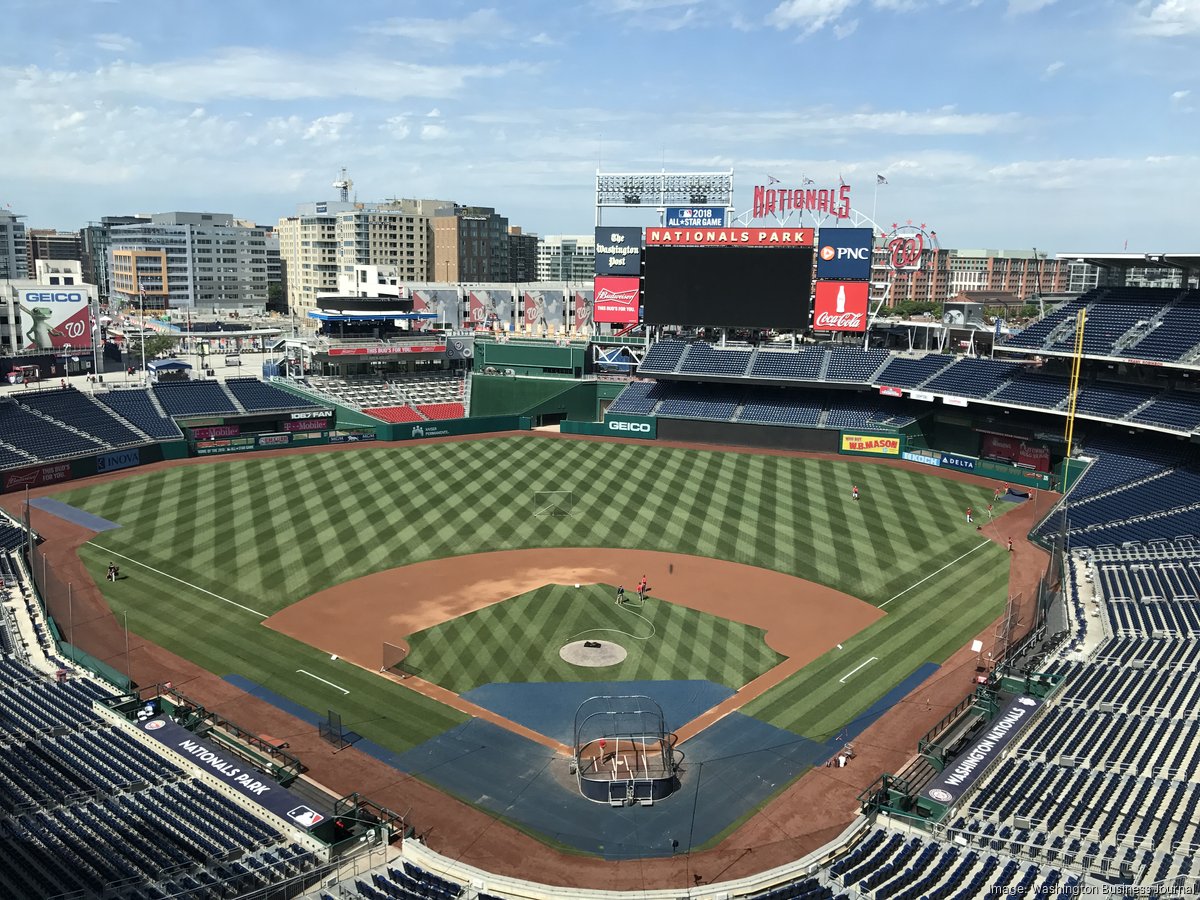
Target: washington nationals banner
[(543, 309)]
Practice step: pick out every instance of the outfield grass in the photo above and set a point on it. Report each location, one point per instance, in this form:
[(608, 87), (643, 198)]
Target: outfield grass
[(265, 532), (519, 640)]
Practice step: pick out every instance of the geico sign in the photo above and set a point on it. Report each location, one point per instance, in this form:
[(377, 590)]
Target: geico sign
[(55, 297), (629, 426), (829, 253)]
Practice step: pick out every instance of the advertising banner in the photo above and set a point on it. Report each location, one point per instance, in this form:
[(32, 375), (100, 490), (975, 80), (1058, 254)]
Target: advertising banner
[(54, 318), (840, 306), (225, 445), (845, 253), (35, 475), (926, 459), (351, 437), (309, 425), (543, 309), (1017, 451), (957, 461), (583, 309), (875, 444), (215, 431), (617, 299), (695, 217), (955, 401), (442, 302), (232, 773), (618, 251), (921, 395), (961, 773), (631, 426), (312, 414), (887, 391), (489, 309), (121, 459), (273, 440), (389, 350), (730, 237)]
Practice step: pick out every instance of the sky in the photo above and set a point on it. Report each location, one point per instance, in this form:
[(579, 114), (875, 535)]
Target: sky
[(1057, 124)]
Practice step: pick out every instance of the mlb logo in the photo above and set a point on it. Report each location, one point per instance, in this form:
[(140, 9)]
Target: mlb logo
[(305, 817)]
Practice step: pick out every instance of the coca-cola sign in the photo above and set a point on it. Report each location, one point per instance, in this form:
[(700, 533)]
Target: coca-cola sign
[(840, 306)]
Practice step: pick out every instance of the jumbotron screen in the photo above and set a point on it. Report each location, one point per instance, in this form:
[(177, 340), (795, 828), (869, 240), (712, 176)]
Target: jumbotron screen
[(738, 287)]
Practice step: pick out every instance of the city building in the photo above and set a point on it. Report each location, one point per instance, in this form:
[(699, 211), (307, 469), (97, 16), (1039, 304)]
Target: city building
[(94, 241), (13, 247), (470, 243), (522, 255), (1125, 269), (946, 273), (327, 239), (566, 257), (47, 243), (48, 315), (206, 262)]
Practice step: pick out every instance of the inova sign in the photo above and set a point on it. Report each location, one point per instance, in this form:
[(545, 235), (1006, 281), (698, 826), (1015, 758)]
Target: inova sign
[(631, 426)]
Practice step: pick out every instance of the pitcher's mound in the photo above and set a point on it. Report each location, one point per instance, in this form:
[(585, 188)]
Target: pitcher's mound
[(594, 654)]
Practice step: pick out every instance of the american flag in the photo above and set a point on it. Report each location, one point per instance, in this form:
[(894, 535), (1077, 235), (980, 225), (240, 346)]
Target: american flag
[(771, 179), (879, 179)]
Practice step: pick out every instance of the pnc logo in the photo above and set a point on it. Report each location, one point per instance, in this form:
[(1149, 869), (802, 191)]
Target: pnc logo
[(829, 253), (640, 427)]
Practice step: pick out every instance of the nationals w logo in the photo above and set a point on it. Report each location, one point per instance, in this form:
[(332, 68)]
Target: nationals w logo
[(907, 244)]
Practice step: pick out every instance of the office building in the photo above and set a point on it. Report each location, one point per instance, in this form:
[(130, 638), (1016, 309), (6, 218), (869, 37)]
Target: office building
[(566, 257), (94, 241), (47, 243), (470, 243), (946, 273), (206, 262), (13, 247), (522, 255)]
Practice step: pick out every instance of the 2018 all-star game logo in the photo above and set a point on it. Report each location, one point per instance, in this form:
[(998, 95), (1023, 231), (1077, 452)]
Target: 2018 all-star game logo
[(906, 245)]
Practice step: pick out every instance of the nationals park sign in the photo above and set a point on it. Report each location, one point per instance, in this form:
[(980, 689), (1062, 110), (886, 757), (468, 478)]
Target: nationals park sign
[(729, 237)]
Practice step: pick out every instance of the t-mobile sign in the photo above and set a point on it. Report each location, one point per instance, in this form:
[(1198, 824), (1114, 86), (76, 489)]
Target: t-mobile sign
[(840, 306), (616, 299)]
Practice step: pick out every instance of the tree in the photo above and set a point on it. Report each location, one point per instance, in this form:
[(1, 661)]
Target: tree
[(154, 345), (276, 301)]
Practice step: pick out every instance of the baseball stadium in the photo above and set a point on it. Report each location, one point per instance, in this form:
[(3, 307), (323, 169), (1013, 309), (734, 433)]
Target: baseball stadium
[(630, 592)]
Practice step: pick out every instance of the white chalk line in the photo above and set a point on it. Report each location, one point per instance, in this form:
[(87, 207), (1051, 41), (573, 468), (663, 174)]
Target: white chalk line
[(319, 678), (842, 680), (181, 581), (927, 577)]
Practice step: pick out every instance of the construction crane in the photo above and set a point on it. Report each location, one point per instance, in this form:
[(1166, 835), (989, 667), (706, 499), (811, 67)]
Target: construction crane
[(343, 184)]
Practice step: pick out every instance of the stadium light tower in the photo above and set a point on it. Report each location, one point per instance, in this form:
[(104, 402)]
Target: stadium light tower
[(658, 190)]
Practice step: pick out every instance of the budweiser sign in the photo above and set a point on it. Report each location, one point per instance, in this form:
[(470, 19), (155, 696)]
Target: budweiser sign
[(616, 298), (840, 306)]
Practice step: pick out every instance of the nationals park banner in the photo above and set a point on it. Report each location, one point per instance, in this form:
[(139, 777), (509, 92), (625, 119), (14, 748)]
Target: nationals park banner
[(583, 302), (489, 309), (730, 237), (543, 309)]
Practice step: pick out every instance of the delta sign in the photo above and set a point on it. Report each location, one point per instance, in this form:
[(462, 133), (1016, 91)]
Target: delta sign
[(844, 253), (53, 319)]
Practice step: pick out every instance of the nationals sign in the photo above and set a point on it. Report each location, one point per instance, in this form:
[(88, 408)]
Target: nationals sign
[(840, 306), (734, 237), (616, 299), (774, 201)]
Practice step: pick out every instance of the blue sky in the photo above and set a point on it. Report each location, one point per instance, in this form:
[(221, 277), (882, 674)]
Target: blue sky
[(1061, 124)]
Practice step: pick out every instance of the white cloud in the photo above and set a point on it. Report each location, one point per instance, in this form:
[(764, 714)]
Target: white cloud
[(397, 127), (1053, 69), (241, 72), (481, 25), (118, 43), (637, 6), (542, 39), (1168, 18), (433, 132), (1024, 7), (808, 15), (1180, 95), (846, 29), (328, 129)]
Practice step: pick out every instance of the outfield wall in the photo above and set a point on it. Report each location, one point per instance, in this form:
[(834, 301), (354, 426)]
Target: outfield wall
[(737, 434), (59, 471), (502, 395)]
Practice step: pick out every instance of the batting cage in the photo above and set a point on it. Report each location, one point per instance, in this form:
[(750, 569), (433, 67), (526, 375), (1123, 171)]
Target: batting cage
[(623, 752)]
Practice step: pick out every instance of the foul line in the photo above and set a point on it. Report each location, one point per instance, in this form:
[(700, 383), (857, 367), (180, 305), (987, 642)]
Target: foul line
[(319, 678), (927, 577), (181, 581), (842, 680)]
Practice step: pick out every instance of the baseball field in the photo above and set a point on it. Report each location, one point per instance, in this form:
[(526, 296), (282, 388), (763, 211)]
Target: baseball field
[(211, 552)]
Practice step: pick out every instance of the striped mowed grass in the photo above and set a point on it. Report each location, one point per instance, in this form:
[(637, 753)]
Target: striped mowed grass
[(265, 532), (519, 640)]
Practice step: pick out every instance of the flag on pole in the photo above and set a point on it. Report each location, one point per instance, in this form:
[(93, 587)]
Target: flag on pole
[(771, 179), (1126, 243), (809, 181), (879, 179)]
